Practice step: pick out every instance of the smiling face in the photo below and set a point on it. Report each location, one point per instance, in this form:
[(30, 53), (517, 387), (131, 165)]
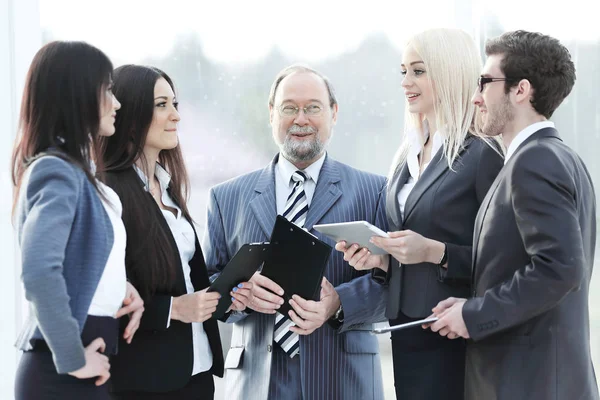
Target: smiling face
[(494, 104), (302, 138), (417, 87), (108, 111), (162, 134)]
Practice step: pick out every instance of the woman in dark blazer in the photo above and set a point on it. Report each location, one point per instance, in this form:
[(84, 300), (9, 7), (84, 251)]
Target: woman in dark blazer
[(177, 350), (438, 179), (70, 233)]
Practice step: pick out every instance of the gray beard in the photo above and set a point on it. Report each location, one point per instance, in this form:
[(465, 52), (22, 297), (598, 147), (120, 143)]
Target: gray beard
[(301, 151)]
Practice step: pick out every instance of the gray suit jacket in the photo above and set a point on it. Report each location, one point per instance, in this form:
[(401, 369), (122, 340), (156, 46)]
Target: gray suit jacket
[(65, 237), (533, 254), (335, 364)]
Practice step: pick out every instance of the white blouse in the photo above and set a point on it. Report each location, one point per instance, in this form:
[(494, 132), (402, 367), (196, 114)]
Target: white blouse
[(185, 238), (111, 289), (412, 160)]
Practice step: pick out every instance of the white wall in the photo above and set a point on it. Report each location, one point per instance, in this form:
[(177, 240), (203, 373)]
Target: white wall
[(20, 38)]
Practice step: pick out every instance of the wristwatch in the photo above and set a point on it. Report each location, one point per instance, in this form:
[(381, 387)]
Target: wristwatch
[(444, 257), (339, 314)]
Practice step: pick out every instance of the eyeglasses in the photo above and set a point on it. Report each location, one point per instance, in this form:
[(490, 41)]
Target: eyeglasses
[(484, 79), (289, 110)]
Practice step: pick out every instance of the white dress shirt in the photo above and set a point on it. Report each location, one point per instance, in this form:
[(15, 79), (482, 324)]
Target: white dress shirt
[(112, 287), (412, 160), (523, 135), (283, 180), (184, 236)]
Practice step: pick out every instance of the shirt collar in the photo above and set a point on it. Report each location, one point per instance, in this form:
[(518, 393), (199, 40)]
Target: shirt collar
[(416, 146), (524, 135), (287, 169), (164, 178)]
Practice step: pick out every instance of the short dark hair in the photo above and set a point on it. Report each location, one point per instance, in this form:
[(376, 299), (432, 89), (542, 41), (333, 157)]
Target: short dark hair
[(300, 68), (540, 59)]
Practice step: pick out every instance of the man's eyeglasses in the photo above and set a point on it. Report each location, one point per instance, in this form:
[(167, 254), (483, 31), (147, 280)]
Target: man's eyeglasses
[(288, 110), (484, 79)]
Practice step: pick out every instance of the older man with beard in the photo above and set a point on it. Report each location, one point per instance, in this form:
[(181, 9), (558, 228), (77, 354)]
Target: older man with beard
[(322, 349)]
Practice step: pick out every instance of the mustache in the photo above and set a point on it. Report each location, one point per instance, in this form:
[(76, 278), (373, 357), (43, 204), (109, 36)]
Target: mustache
[(301, 129)]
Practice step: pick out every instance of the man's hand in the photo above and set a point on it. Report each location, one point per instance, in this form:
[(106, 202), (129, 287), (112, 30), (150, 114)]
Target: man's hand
[(361, 258), (309, 315), (262, 299), (195, 307), (241, 296), (134, 306), (450, 322)]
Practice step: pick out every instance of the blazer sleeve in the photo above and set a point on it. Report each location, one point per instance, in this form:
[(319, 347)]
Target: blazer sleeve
[(363, 298), (544, 201), (489, 164), (157, 313), (214, 246), (50, 204)]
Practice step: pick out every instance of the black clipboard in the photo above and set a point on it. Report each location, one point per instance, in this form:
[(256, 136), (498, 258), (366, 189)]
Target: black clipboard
[(296, 262), (239, 269)]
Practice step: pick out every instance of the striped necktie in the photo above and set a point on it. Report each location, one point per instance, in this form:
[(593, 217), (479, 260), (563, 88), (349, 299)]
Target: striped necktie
[(296, 208)]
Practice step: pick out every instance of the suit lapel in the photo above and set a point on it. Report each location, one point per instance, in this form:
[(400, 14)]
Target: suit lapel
[(436, 168), (326, 193), (481, 217), (545, 132), (393, 206), (263, 205)]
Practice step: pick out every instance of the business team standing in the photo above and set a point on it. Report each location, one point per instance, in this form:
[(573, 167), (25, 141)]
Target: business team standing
[(530, 279)]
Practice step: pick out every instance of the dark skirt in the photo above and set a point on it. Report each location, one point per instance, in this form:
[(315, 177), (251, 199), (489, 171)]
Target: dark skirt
[(37, 379), (427, 365), (200, 387)]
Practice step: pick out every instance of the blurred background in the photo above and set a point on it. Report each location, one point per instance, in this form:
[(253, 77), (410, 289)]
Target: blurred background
[(223, 57)]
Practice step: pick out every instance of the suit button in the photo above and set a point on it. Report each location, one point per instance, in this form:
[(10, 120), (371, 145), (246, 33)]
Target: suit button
[(269, 348)]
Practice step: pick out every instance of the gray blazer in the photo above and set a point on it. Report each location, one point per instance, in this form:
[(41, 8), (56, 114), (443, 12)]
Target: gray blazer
[(65, 236), (335, 364), (533, 254)]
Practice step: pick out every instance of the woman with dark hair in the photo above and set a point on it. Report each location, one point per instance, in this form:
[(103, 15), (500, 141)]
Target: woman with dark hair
[(178, 348), (69, 228)]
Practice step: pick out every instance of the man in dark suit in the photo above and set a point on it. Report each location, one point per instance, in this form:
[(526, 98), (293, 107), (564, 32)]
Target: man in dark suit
[(535, 234)]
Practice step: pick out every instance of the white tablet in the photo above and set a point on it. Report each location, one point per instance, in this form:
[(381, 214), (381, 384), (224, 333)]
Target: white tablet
[(404, 326), (358, 232)]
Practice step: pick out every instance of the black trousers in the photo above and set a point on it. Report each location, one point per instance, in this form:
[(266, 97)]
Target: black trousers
[(200, 387), (427, 365), (37, 379)]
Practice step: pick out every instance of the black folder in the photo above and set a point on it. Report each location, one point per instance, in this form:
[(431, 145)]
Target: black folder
[(296, 262), (239, 269)]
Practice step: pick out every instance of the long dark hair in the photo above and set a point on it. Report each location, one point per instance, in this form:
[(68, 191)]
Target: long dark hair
[(151, 259), (60, 110)]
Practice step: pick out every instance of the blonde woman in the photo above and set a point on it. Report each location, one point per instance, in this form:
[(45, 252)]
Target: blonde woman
[(437, 181)]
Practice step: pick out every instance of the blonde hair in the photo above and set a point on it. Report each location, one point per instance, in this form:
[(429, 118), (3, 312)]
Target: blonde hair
[(453, 65)]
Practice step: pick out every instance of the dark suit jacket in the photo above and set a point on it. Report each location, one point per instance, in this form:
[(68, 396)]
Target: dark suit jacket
[(160, 359), (533, 254), (442, 206)]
